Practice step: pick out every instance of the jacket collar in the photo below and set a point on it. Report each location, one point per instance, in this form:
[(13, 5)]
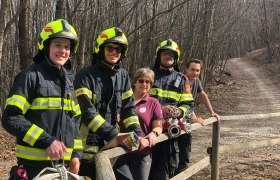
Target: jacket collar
[(105, 68)]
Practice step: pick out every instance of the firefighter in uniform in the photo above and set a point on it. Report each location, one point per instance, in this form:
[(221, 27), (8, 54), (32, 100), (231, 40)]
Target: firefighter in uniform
[(169, 89), (105, 96), (42, 110)]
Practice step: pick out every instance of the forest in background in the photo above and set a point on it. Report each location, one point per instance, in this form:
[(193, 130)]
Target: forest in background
[(210, 30)]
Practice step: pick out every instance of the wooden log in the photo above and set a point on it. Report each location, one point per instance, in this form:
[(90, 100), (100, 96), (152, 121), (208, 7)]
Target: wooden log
[(104, 170), (250, 116), (117, 151), (193, 169), (249, 145)]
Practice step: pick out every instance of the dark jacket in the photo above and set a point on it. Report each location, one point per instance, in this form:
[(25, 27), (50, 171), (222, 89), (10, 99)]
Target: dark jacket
[(42, 107), (103, 95), (170, 89)]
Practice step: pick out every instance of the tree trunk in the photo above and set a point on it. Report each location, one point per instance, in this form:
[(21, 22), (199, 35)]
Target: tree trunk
[(3, 14), (82, 44), (61, 9), (23, 27), (266, 29)]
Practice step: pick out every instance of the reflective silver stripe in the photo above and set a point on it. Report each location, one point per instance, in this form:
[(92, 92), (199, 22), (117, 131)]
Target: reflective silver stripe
[(37, 154), (186, 97), (153, 91), (32, 134), (69, 104), (89, 152), (131, 120), (77, 110), (84, 91), (164, 93), (18, 101), (46, 103), (91, 149), (84, 133), (78, 144), (96, 123), (52, 103), (88, 156), (127, 94)]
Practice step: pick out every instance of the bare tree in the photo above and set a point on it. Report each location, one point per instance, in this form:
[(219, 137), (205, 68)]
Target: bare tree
[(3, 14), (23, 29), (83, 32), (61, 9), (212, 30), (266, 29)]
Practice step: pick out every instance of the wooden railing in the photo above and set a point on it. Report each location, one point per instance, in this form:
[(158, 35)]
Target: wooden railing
[(106, 159)]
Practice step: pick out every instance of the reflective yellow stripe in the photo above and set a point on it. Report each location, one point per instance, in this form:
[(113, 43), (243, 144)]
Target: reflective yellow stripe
[(165, 94), (91, 149), (46, 103), (186, 97), (77, 110), (131, 120), (89, 152), (127, 94), (32, 134), (96, 123), (84, 133), (37, 154), (184, 110), (78, 144), (18, 101), (52, 103), (84, 91), (88, 156), (69, 104)]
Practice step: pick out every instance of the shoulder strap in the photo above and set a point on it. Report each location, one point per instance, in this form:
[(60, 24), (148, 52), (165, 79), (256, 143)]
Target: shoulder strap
[(178, 79)]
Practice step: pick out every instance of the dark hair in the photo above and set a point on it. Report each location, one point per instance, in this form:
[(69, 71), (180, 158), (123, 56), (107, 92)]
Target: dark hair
[(197, 61)]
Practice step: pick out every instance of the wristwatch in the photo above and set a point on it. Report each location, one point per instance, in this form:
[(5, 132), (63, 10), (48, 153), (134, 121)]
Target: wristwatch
[(155, 132)]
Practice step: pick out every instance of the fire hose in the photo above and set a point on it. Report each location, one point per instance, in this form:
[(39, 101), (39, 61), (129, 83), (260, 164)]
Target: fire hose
[(174, 124)]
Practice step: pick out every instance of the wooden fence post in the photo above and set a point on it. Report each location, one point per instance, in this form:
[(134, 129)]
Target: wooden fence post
[(104, 170), (215, 151)]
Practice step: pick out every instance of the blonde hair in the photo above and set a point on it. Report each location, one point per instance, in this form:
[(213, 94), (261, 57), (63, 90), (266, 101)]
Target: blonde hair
[(142, 72)]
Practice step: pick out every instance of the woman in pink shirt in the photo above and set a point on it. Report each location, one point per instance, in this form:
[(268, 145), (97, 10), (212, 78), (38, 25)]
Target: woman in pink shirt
[(136, 165)]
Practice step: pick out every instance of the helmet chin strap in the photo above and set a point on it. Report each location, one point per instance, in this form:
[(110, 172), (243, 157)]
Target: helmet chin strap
[(171, 66)]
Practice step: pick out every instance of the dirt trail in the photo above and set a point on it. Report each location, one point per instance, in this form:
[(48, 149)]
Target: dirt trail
[(254, 91)]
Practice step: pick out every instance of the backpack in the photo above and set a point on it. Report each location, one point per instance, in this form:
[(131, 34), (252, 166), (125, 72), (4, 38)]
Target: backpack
[(58, 173)]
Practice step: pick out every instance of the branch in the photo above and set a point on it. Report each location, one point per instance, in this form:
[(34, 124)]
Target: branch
[(128, 13), (154, 17), (9, 24)]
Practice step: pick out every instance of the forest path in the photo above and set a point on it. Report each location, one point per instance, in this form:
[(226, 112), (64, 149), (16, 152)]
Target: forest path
[(254, 89)]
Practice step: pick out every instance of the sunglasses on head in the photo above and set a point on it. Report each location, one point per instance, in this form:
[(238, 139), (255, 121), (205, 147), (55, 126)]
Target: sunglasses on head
[(110, 48), (141, 81)]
